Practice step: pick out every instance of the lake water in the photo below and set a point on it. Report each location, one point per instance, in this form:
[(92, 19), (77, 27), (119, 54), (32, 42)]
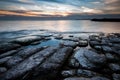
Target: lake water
[(61, 25)]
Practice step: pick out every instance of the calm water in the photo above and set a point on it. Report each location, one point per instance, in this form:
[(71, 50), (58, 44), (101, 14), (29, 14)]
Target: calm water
[(62, 25)]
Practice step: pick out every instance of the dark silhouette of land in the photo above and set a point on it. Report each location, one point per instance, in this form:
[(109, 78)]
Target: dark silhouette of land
[(107, 20)]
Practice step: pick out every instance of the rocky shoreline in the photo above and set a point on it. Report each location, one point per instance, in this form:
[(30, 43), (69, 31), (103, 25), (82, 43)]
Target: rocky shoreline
[(48, 55)]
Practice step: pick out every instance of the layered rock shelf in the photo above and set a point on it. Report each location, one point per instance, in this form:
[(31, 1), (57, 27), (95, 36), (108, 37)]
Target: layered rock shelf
[(50, 55)]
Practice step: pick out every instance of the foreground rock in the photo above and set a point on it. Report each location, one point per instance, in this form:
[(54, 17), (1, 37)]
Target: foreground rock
[(35, 60), (22, 55), (28, 64), (86, 60), (4, 47), (82, 78), (53, 64), (26, 40)]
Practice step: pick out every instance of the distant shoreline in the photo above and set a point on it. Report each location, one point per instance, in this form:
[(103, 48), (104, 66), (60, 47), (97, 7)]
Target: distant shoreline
[(106, 20)]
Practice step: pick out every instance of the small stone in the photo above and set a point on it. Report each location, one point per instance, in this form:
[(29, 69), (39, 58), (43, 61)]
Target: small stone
[(68, 73), (74, 63)]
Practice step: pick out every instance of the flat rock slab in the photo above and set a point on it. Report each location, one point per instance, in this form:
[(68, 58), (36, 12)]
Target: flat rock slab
[(53, 64), (4, 47), (83, 61), (28, 64), (22, 55), (26, 40)]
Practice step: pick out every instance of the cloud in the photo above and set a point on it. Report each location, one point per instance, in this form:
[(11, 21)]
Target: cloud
[(57, 7)]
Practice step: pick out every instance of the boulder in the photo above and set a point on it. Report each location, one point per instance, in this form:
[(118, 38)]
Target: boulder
[(98, 59), (83, 61)]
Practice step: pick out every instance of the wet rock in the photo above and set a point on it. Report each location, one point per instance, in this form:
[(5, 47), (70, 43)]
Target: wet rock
[(107, 49), (69, 44), (114, 67), (114, 39), (71, 36), (86, 73), (99, 78), (116, 46), (68, 73), (35, 43), (94, 38), (2, 70), (94, 57), (3, 60), (82, 78), (83, 61), (9, 53), (75, 39), (4, 47), (73, 63), (98, 48), (26, 40), (116, 76), (94, 43), (111, 57), (77, 78), (105, 41), (58, 37), (53, 64), (22, 54), (28, 64), (83, 43)]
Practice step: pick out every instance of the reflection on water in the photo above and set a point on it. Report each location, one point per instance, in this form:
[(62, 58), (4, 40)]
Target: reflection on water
[(62, 25)]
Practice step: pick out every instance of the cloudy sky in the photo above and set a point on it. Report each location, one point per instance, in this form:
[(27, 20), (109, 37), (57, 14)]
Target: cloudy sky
[(58, 7)]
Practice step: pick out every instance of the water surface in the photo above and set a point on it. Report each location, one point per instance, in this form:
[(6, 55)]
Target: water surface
[(61, 25)]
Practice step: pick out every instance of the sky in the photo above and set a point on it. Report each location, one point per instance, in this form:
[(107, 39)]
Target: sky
[(45, 8)]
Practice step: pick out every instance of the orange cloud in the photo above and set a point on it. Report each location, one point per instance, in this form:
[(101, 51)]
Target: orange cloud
[(33, 13)]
